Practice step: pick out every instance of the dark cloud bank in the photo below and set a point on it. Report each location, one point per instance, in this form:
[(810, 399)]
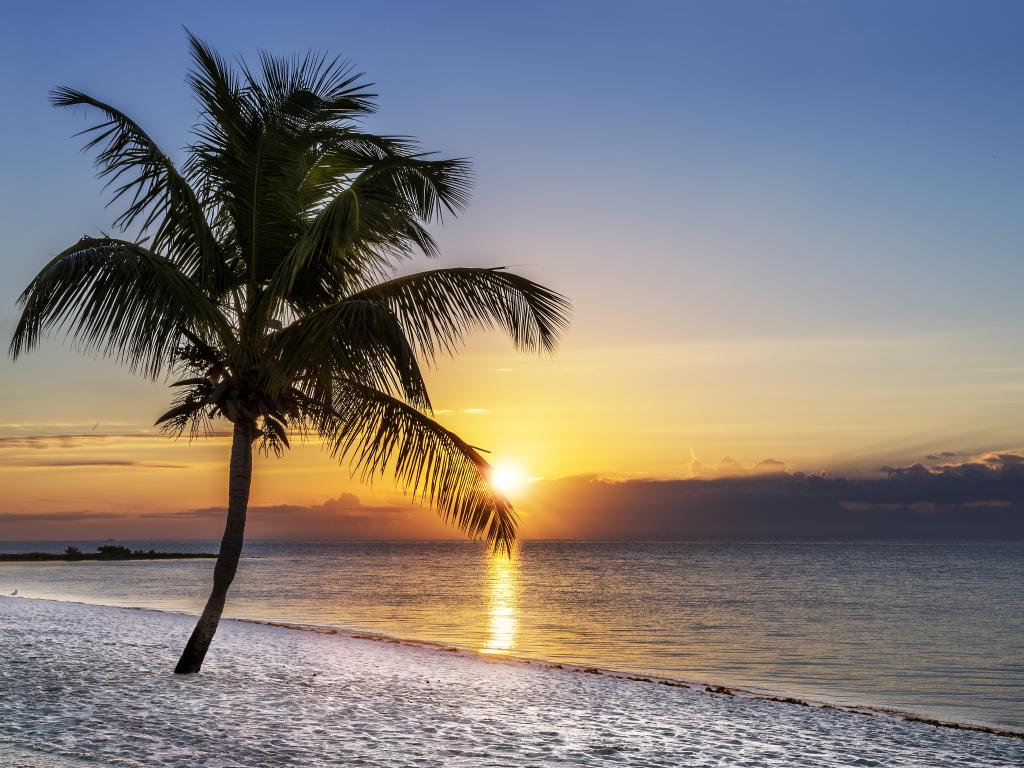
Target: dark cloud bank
[(980, 499)]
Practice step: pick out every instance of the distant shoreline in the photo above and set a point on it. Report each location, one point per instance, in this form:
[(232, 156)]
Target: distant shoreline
[(46, 557)]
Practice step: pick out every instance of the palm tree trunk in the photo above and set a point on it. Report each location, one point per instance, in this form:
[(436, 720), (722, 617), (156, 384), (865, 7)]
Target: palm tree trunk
[(230, 549)]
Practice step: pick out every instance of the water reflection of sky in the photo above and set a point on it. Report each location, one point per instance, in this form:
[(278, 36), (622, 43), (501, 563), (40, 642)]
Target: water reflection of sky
[(503, 597)]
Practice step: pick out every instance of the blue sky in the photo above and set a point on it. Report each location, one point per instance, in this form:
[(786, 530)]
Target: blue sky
[(790, 229)]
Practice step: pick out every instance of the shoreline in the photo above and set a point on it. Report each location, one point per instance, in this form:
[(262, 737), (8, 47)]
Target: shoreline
[(707, 687), (83, 682)]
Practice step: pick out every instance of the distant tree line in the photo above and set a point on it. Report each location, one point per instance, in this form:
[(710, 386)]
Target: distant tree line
[(103, 552)]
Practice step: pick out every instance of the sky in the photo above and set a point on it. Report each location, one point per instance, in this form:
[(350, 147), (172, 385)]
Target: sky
[(791, 232)]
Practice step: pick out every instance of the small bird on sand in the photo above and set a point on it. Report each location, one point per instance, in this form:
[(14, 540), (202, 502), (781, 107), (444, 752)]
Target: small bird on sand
[(15, 592)]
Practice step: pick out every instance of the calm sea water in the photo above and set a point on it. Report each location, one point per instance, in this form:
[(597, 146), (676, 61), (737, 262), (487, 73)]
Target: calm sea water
[(936, 629)]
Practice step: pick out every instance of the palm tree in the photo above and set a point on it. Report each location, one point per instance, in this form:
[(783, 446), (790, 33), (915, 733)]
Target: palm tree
[(263, 275)]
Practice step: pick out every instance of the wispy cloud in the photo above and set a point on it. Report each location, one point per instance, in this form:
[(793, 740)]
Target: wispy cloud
[(344, 517), (64, 441), (69, 463), (75, 516)]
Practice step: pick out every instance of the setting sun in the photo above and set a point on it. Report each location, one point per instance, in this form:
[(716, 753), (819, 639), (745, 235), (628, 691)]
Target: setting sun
[(508, 478), (388, 376)]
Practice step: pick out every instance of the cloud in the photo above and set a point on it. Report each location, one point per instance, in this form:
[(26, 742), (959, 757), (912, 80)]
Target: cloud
[(695, 466), (730, 467), (68, 441), (941, 456), (1002, 459), (346, 501), (346, 507), (82, 450), (41, 442), (60, 517), (982, 498), (63, 463), (768, 467), (343, 517)]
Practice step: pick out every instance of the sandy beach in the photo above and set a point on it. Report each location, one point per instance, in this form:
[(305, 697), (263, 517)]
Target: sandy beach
[(92, 685)]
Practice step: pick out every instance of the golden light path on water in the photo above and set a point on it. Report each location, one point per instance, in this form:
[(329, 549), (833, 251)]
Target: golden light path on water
[(502, 604)]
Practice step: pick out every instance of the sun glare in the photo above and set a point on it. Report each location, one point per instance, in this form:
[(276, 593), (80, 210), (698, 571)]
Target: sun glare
[(508, 478), (503, 598)]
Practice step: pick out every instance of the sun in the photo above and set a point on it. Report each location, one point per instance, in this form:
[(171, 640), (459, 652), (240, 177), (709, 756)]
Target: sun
[(508, 478)]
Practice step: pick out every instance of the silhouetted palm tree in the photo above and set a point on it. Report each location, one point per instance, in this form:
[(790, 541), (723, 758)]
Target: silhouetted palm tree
[(262, 273)]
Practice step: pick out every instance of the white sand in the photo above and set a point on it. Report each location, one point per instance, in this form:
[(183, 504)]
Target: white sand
[(85, 685)]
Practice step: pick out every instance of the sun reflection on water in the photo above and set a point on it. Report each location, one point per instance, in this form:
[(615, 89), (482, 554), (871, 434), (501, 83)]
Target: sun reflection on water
[(503, 598)]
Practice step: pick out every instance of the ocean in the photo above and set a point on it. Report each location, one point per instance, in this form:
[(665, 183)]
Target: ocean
[(935, 629)]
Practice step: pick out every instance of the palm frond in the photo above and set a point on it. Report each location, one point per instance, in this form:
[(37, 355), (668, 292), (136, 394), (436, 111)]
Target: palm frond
[(191, 411), (119, 299), (349, 338), (259, 276), (160, 201), (374, 432), (328, 256), (226, 159), (429, 186), (260, 135), (376, 216), (438, 307), (311, 89)]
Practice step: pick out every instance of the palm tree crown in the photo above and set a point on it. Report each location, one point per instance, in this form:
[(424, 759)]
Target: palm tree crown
[(262, 276)]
